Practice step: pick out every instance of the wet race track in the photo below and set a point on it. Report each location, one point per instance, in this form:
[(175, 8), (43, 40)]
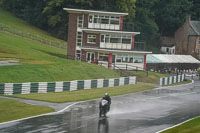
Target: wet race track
[(145, 112)]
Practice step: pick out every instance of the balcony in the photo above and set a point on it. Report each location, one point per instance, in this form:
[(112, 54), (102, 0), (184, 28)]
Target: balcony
[(104, 26), (139, 46)]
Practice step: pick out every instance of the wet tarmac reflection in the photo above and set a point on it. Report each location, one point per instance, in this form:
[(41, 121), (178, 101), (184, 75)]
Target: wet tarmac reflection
[(103, 125)]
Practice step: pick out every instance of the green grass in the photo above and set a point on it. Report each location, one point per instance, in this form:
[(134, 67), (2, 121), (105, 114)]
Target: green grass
[(179, 83), (192, 126), (81, 95), (39, 62), (12, 110), (11, 20), (43, 63), (153, 77)]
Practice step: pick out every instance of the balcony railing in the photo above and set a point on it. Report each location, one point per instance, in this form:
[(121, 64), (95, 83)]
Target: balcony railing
[(139, 46), (104, 26)]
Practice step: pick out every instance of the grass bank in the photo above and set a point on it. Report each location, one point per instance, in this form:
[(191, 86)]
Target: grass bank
[(43, 63), (81, 95), (16, 23), (12, 110), (192, 126), (150, 77)]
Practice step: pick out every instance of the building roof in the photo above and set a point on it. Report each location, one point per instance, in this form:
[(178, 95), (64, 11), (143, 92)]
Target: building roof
[(70, 10), (115, 50), (165, 58), (110, 31), (167, 41), (195, 26)]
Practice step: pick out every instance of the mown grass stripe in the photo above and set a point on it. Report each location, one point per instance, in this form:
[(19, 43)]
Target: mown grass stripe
[(17, 88), (80, 84), (105, 82), (116, 82), (34, 87), (2, 87), (93, 83), (51, 86), (126, 80), (66, 86)]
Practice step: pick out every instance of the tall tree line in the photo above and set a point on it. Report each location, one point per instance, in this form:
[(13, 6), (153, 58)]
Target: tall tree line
[(153, 18)]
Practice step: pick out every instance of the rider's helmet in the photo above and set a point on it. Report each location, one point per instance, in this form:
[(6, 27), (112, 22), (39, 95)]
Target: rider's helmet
[(106, 94)]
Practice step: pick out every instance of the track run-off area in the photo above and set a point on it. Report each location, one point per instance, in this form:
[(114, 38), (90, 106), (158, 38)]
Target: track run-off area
[(142, 112)]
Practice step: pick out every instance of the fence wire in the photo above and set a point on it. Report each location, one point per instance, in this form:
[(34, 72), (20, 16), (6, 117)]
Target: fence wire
[(31, 36)]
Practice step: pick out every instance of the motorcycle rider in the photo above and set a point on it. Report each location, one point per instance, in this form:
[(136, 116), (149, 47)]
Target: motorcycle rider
[(107, 97)]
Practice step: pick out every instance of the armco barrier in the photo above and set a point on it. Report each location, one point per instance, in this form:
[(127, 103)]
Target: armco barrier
[(171, 79), (45, 87)]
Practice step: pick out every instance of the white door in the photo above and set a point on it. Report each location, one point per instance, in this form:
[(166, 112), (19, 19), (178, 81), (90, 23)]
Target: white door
[(90, 56)]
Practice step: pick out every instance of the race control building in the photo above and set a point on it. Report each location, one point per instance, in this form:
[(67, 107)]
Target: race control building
[(98, 37)]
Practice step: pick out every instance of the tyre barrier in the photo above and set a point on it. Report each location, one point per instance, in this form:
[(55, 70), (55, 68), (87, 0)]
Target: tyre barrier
[(45, 87), (172, 79)]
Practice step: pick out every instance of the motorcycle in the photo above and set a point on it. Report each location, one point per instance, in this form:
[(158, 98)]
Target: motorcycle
[(103, 107)]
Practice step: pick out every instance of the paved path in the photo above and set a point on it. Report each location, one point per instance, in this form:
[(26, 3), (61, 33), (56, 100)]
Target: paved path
[(8, 63), (55, 106), (143, 112)]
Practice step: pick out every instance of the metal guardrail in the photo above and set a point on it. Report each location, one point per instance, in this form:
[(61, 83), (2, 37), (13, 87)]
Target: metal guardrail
[(123, 67), (40, 39)]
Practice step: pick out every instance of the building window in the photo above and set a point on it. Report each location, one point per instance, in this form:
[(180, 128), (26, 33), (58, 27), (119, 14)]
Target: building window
[(129, 59), (104, 19), (79, 39), (115, 40), (102, 38), (78, 55), (114, 20), (103, 57), (107, 39), (91, 39), (126, 41), (167, 50), (80, 21), (90, 18)]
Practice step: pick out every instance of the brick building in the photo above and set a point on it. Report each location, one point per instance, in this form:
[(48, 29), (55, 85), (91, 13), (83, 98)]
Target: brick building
[(187, 38), (98, 37)]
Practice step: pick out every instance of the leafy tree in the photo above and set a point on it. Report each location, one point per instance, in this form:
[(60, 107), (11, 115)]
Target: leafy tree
[(57, 17), (195, 10), (144, 20), (171, 14)]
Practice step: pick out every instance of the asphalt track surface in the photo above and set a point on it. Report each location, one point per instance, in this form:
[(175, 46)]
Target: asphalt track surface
[(144, 112)]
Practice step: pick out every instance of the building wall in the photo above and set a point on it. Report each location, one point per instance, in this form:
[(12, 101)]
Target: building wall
[(83, 57), (72, 30), (85, 23), (185, 44), (171, 50), (89, 44)]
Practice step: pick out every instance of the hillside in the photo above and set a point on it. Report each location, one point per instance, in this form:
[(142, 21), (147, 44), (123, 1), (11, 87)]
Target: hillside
[(39, 62)]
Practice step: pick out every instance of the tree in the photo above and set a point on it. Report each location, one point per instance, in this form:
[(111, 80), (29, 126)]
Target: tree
[(171, 14), (144, 20), (195, 10), (57, 17)]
